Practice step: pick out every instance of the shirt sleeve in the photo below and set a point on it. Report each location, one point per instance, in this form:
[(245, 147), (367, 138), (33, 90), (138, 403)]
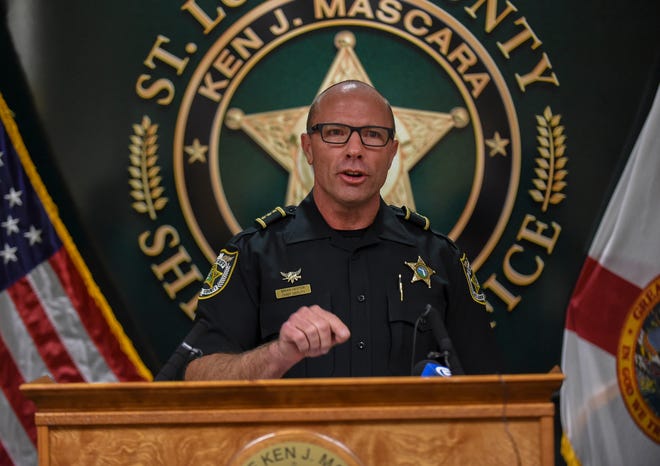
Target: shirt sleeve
[(228, 302), (467, 320)]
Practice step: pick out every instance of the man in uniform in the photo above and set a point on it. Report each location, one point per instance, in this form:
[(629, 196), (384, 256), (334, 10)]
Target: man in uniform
[(338, 286)]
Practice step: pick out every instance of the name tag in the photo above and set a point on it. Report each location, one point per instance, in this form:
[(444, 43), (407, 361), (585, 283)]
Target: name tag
[(293, 291)]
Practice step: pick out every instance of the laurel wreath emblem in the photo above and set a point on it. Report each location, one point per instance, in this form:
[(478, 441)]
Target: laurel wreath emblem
[(551, 165), (145, 179)]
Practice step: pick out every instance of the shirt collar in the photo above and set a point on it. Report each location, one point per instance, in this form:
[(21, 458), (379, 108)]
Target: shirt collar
[(309, 225)]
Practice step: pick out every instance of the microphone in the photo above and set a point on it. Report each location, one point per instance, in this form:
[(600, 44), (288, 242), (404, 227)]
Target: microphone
[(430, 368), (183, 355), (444, 342)]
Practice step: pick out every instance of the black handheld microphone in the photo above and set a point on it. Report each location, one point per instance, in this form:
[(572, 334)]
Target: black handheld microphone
[(183, 355), (443, 340)]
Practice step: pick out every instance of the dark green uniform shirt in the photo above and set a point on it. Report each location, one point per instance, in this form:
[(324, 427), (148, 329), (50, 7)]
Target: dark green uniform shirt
[(378, 281)]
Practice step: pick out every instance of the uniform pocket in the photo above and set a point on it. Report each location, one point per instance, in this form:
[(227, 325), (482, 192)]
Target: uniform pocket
[(402, 316)]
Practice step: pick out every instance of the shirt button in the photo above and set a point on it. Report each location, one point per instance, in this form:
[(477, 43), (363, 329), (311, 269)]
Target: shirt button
[(361, 298), (361, 345)]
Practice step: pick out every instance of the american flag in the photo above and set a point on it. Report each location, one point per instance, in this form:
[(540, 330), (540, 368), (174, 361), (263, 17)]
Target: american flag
[(53, 318)]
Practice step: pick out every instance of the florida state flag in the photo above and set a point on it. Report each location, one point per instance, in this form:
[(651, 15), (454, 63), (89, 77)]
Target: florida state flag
[(610, 400)]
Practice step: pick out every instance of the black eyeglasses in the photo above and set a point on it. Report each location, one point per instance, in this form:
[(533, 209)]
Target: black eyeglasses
[(338, 133)]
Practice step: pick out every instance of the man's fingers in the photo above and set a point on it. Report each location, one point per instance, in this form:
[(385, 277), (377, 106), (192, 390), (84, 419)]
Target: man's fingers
[(338, 331), (292, 334), (314, 331)]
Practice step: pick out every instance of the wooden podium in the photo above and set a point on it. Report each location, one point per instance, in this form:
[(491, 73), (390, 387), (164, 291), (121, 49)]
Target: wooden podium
[(466, 420)]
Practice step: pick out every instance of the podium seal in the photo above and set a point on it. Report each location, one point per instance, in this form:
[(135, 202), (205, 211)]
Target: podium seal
[(295, 448)]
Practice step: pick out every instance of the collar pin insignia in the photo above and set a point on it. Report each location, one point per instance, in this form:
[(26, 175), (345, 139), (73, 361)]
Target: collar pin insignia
[(291, 277)]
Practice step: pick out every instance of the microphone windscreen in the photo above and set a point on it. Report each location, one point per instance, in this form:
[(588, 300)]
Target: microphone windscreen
[(429, 368)]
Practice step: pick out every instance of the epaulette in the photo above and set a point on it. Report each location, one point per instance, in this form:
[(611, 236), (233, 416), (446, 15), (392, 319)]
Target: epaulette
[(423, 222), (418, 219), (276, 214)]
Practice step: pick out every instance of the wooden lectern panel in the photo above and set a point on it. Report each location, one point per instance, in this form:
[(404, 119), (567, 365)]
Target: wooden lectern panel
[(329, 422)]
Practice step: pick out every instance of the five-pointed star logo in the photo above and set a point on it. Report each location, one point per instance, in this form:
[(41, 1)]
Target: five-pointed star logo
[(277, 132), (196, 151), (497, 145), (213, 275), (421, 271)]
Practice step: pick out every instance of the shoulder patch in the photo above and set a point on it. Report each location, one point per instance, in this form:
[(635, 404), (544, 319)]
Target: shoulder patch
[(219, 274), (473, 283), (416, 218), (276, 214)]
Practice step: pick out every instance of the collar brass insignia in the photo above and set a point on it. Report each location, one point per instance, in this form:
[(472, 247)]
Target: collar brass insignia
[(421, 271), (291, 277)]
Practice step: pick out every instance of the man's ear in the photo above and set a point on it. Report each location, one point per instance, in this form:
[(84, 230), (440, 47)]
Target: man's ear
[(306, 145)]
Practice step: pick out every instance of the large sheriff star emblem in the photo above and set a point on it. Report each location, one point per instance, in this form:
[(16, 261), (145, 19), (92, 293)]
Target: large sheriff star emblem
[(277, 132)]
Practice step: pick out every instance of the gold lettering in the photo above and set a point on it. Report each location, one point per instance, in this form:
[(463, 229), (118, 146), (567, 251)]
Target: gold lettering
[(227, 64), (241, 44), (492, 21), (167, 235), (479, 81), (282, 23), (411, 17), (209, 88), (202, 18), (389, 11), (505, 295), (464, 55), (323, 10), (516, 277), (161, 85), (361, 7), (159, 241), (173, 265), (293, 291), (520, 38), (536, 74), (233, 3), (535, 236), (189, 307), (179, 64), (442, 39)]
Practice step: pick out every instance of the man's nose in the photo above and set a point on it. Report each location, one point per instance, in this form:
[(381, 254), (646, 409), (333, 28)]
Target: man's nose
[(354, 145)]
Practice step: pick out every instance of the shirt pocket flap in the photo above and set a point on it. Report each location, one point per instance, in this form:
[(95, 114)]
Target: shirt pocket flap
[(408, 311)]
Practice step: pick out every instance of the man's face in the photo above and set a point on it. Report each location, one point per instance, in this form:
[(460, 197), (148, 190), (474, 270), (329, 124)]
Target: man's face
[(349, 175)]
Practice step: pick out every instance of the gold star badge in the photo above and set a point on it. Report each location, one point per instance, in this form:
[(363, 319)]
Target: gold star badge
[(277, 132), (421, 271)]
